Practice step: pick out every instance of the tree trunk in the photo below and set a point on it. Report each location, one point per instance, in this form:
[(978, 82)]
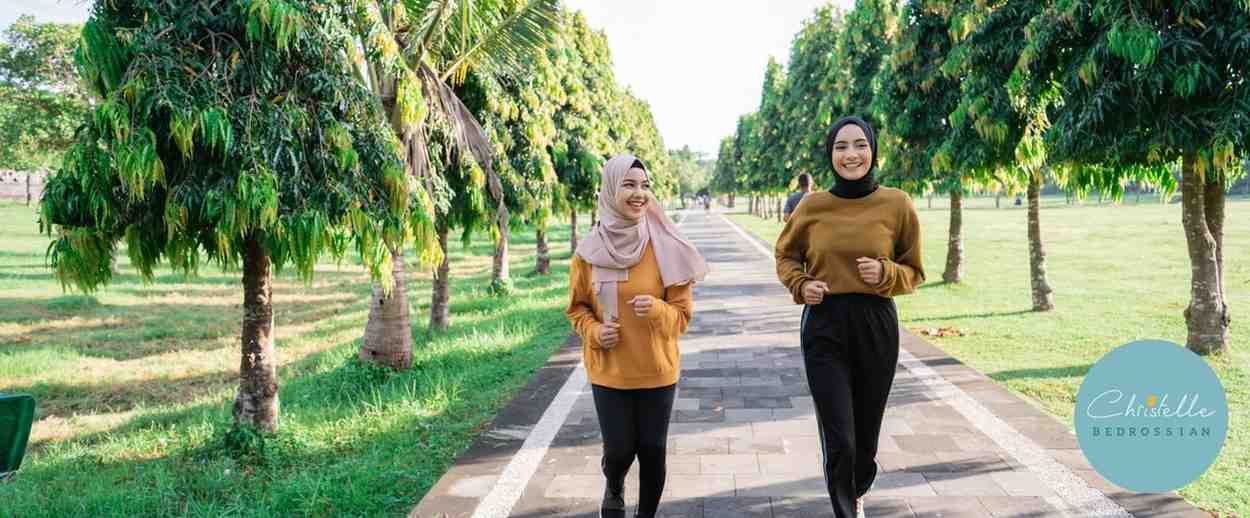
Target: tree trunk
[(997, 197), (594, 217), (731, 200), (542, 259), (388, 332), (955, 244), (256, 404), (1043, 297), (573, 230), (1213, 206), (442, 287), (1207, 314), (113, 265), (28, 188), (930, 201), (781, 203), (499, 272)]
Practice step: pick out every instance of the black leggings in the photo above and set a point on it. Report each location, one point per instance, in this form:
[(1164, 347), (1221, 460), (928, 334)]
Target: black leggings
[(850, 349), (635, 423)]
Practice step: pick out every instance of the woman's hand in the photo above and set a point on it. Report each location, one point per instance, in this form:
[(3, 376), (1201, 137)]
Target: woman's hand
[(609, 334), (814, 291), (642, 305), (869, 270)]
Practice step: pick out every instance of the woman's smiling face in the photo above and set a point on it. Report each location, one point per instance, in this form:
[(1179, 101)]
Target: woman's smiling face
[(633, 194), (851, 155)]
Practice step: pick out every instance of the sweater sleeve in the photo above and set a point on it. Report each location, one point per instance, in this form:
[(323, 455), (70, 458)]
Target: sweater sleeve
[(581, 309), (791, 254), (671, 315), (902, 274)]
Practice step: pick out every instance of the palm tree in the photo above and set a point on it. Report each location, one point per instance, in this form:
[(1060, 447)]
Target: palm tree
[(408, 52)]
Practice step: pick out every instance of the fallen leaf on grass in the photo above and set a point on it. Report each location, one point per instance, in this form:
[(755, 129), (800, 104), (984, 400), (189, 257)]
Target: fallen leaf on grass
[(941, 332)]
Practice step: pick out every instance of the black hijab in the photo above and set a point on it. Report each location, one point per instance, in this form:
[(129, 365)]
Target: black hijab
[(842, 187)]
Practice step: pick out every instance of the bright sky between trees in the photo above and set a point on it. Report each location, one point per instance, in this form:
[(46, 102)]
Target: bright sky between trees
[(699, 63)]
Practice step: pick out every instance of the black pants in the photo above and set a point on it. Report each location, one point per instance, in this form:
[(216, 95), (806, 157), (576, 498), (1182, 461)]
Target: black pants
[(850, 348), (634, 423)]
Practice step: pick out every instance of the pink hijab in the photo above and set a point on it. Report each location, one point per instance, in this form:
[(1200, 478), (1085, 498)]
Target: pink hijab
[(618, 243)]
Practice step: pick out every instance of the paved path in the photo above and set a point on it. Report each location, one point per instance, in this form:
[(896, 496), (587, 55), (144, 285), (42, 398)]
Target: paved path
[(743, 443)]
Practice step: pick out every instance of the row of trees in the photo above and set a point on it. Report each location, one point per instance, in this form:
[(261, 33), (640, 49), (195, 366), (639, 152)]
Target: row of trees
[(270, 133), (541, 128), (968, 95), (692, 170)]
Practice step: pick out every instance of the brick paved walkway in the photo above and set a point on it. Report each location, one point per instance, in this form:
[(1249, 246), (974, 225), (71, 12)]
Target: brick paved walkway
[(743, 443)]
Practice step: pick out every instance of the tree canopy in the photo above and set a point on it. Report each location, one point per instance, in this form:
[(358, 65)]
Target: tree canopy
[(214, 126)]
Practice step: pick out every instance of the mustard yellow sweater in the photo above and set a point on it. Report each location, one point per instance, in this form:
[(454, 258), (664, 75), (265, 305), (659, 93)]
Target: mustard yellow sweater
[(646, 354), (826, 234)]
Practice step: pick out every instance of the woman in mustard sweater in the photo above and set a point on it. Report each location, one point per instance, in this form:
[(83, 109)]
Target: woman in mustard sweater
[(845, 253), (629, 301)]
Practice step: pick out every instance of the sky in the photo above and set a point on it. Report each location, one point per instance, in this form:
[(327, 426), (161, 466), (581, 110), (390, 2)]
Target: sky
[(698, 63)]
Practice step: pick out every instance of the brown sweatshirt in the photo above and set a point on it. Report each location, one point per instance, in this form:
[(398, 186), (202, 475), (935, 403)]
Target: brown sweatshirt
[(826, 234), (646, 354)]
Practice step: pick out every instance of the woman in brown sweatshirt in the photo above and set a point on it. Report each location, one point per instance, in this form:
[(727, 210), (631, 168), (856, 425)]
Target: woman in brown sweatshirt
[(845, 253), (629, 301)]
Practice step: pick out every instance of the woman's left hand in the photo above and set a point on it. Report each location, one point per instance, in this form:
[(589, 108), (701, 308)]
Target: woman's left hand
[(642, 305), (869, 270)]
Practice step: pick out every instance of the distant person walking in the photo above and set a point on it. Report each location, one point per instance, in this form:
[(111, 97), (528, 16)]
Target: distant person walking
[(629, 301), (805, 188)]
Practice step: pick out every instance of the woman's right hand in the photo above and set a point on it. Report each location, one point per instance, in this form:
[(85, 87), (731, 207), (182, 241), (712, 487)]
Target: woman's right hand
[(814, 291), (609, 334)]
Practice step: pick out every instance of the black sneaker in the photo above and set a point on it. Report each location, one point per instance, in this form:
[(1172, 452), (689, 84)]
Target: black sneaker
[(613, 504)]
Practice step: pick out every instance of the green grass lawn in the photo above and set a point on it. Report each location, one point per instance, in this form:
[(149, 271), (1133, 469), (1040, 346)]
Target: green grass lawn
[(1120, 273), (135, 382)]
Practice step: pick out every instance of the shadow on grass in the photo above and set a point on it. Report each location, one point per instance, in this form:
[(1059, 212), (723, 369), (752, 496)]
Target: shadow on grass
[(1071, 371), (63, 399), (11, 253), (354, 439), (134, 332), (968, 315)]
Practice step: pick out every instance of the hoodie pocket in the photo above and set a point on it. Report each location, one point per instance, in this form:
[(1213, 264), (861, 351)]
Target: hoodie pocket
[(661, 354), (591, 357)]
